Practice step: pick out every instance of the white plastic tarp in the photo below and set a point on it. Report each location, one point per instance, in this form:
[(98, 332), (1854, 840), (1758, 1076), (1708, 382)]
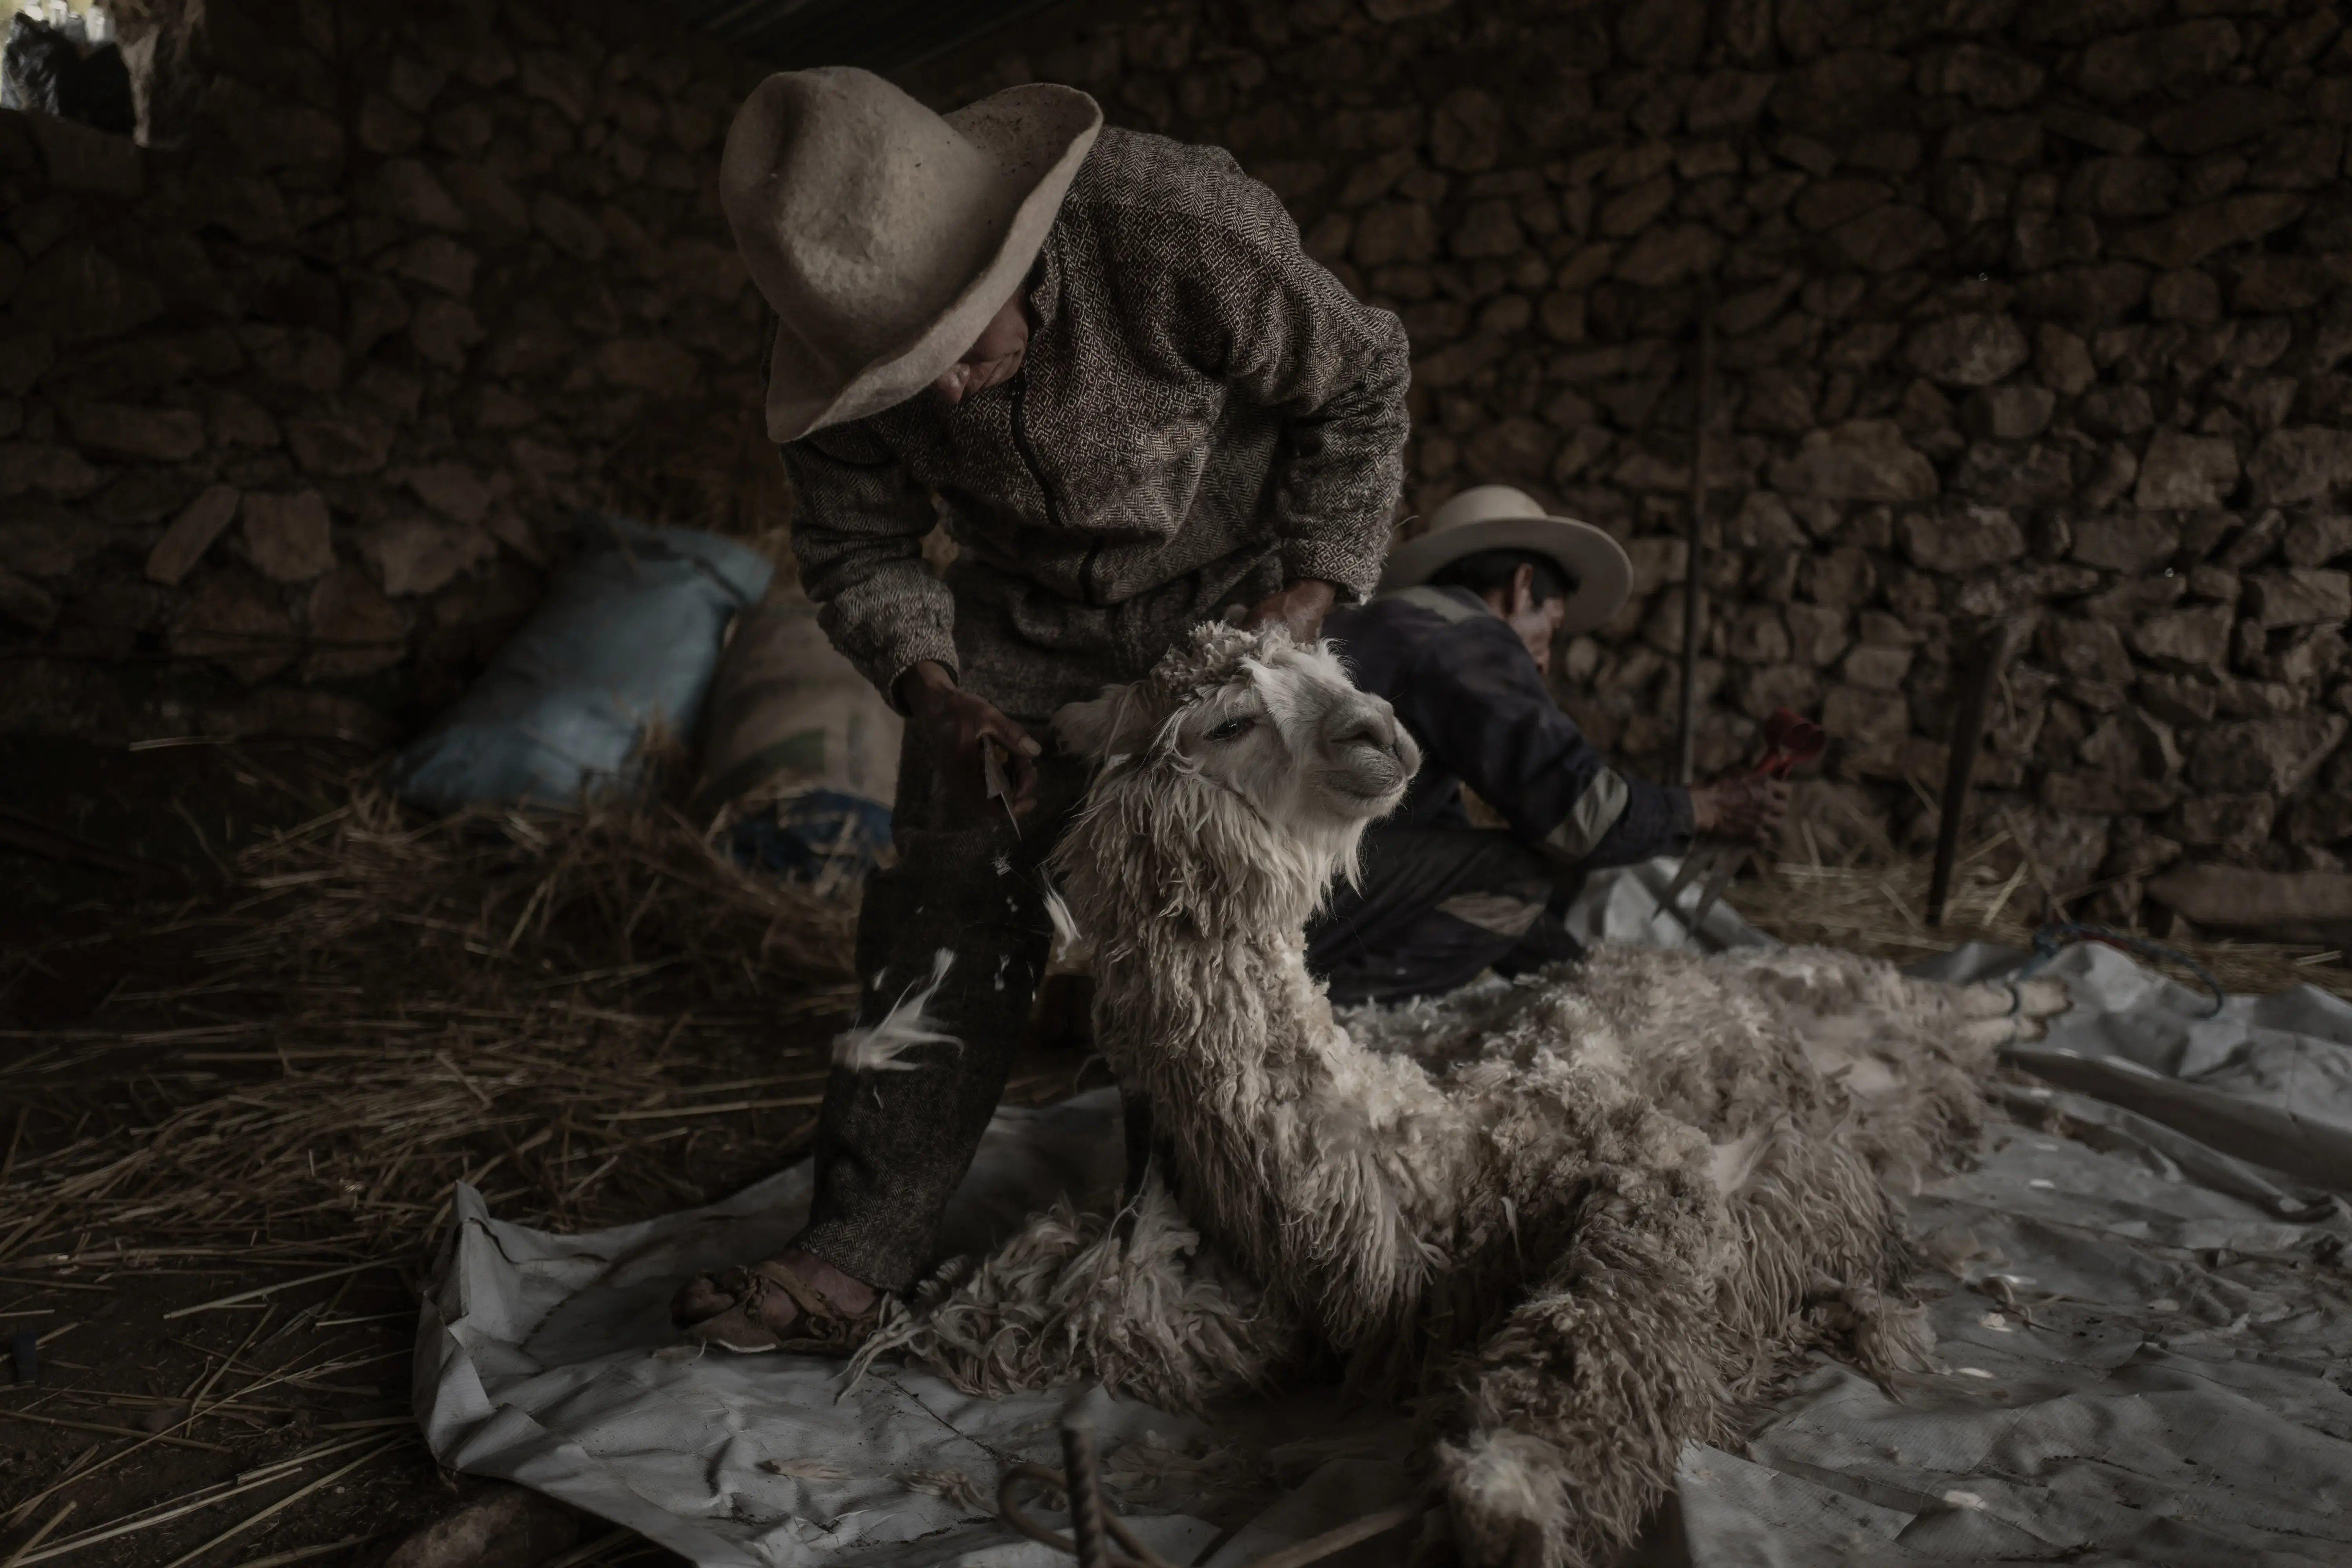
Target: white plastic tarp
[(2146, 1328)]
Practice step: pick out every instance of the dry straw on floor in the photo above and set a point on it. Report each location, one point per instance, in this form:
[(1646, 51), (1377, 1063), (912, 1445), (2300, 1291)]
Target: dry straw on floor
[(1878, 903), (531, 1002)]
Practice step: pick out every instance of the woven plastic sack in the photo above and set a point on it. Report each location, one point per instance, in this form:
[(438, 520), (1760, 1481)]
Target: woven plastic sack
[(789, 715), (621, 650)]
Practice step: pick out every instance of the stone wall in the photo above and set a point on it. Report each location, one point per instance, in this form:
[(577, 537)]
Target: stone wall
[(2032, 308), (2022, 308), (293, 414)]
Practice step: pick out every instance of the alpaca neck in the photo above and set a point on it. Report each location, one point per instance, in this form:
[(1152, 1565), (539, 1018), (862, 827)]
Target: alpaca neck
[(1278, 1123)]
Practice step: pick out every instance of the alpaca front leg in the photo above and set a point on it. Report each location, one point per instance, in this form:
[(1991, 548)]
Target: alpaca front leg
[(2004, 1012)]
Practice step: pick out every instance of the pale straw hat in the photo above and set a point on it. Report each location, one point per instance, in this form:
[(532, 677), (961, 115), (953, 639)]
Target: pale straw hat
[(885, 236), (1499, 517)]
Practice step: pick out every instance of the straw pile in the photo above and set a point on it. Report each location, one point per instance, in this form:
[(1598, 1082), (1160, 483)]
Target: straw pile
[(1877, 902), (559, 1006)]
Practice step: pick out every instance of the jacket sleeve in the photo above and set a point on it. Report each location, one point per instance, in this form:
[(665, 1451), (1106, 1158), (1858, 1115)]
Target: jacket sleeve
[(1242, 301), (1477, 700), (858, 523)]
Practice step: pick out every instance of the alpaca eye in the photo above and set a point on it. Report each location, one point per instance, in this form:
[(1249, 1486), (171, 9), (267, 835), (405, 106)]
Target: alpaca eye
[(1234, 728)]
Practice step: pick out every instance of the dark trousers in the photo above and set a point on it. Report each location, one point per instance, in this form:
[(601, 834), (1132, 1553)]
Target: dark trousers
[(892, 1145), (1437, 906)]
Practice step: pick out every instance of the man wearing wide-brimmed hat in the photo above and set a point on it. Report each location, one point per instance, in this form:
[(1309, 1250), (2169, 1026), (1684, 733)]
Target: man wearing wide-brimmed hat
[(1103, 362), (1459, 642)]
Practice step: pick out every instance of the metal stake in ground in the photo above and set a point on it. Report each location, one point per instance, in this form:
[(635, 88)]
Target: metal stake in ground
[(1989, 656), (1695, 557)]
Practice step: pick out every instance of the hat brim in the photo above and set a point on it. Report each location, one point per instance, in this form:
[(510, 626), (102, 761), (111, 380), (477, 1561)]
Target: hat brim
[(1597, 563), (1038, 126)]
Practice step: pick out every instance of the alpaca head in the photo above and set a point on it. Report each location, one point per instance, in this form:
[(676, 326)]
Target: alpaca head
[(1232, 784)]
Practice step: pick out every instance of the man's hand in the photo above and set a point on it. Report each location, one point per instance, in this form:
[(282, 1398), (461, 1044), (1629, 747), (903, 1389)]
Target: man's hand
[(1301, 606), (1747, 806), (952, 721)]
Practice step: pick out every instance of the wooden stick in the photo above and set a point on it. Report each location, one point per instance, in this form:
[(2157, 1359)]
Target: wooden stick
[(272, 1289), (110, 1431), (1695, 560), (278, 1507), (39, 1535), (1988, 657)]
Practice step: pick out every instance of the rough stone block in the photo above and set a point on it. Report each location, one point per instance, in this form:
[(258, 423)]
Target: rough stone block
[(1888, 240), (2088, 650), (567, 227), (2181, 471), (2316, 539), (1961, 539), (405, 189), (443, 331), (2222, 117), (123, 430), (45, 468), (1862, 460), (1393, 231), (491, 207), (2186, 639), (354, 629), (234, 620), (340, 439), (2233, 822), (1629, 212), (77, 292), (438, 262), (192, 533), (1864, 718), (238, 421), (1663, 257), (2122, 187), (26, 602), (2187, 237), (2131, 543), (2126, 65), (455, 490), (1967, 349), (2016, 411), (2300, 463), (2290, 906), (2089, 792), (1876, 666), (420, 555), (2275, 756), (2300, 596), (289, 538)]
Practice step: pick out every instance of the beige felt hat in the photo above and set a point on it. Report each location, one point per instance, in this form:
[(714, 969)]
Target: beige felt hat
[(885, 236), (1499, 517)]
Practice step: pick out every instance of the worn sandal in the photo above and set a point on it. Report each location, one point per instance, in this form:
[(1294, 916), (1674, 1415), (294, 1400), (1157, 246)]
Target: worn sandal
[(823, 1328)]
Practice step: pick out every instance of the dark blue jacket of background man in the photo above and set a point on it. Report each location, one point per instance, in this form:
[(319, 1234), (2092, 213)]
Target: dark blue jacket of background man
[(1462, 681)]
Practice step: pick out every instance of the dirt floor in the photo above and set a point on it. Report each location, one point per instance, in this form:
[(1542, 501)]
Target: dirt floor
[(231, 1126)]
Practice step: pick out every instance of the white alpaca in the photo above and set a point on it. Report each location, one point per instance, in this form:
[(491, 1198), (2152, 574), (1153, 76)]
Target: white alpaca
[(1586, 1215)]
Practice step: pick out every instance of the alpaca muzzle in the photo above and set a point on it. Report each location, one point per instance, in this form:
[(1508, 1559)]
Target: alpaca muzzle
[(1372, 755)]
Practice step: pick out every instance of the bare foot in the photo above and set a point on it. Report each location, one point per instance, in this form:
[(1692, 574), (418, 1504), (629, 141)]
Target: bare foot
[(770, 1311)]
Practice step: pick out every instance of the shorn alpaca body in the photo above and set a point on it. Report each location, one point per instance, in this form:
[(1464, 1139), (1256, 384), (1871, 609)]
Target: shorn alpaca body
[(1587, 1214)]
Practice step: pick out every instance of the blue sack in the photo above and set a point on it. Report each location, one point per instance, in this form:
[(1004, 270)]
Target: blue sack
[(626, 640)]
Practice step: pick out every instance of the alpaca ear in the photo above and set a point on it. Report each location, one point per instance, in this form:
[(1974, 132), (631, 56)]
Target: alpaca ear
[(1092, 728)]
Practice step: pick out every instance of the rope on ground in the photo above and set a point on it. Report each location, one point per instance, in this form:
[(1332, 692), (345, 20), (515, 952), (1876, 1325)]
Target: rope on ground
[(2057, 935)]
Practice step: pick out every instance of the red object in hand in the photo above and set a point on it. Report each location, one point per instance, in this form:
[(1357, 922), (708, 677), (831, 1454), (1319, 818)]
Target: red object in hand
[(1790, 741)]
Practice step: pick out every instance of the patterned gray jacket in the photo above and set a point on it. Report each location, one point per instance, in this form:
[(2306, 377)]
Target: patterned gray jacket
[(1204, 413)]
